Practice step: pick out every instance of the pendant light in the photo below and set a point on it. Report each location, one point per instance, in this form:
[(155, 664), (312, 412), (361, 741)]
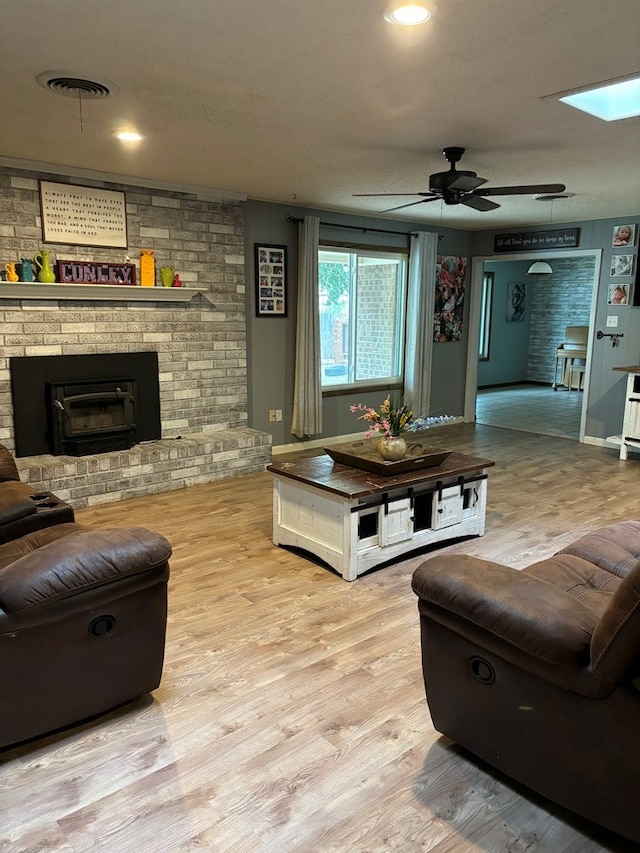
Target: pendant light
[(540, 268)]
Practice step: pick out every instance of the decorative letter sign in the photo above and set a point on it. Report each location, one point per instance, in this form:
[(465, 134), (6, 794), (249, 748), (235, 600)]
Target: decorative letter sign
[(86, 272)]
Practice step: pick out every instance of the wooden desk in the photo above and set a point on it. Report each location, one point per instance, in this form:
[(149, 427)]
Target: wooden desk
[(355, 520)]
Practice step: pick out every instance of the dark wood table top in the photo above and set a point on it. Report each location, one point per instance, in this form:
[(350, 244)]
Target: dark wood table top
[(633, 369), (324, 473)]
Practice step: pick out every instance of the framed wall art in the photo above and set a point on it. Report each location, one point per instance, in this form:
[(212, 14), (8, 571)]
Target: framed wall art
[(622, 265), (271, 280), (618, 294), (516, 307), (83, 216), (623, 235), (451, 273)]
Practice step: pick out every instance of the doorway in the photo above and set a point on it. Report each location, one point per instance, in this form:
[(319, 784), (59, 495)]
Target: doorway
[(521, 396)]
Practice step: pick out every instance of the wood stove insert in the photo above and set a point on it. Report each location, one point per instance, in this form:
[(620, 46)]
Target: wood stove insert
[(84, 404), (96, 417)]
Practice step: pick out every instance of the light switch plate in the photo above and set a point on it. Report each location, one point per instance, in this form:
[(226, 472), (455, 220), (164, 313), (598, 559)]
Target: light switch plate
[(612, 321)]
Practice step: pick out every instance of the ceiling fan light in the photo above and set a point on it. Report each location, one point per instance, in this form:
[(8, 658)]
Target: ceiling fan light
[(540, 268), (407, 14)]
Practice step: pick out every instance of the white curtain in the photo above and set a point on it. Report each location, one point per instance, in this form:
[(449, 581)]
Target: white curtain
[(419, 336), (307, 390)]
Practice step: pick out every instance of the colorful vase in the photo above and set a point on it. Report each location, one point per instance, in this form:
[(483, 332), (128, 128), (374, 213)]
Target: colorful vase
[(10, 269), (147, 268), (43, 264), (166, 276), (27, 269)]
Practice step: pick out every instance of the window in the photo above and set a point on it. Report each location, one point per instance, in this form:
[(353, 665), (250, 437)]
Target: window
[(362, 304), (486, 298)]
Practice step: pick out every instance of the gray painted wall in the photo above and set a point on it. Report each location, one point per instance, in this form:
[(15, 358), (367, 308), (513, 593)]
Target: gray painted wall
[(508, 342), (271, 341), (606, 387), (526, 351)]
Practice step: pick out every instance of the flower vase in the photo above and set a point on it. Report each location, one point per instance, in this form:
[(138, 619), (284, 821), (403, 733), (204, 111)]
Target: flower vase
[(392, 448)]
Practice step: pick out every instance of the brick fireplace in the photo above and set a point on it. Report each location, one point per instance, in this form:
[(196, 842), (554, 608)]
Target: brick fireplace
[(200, 344)]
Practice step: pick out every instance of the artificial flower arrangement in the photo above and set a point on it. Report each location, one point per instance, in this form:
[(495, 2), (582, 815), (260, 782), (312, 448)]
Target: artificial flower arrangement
[(391, 420)]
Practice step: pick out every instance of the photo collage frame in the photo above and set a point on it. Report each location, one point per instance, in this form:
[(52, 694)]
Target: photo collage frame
[(623, 264), (271, 280)]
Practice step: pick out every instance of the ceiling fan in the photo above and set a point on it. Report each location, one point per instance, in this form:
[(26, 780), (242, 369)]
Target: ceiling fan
[(461, 187)]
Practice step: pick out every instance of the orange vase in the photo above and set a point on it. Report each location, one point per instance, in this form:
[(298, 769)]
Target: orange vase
[(147, 268)]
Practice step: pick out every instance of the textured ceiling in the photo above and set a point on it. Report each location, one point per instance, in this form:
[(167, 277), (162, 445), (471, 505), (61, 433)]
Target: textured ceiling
[(310, 101)]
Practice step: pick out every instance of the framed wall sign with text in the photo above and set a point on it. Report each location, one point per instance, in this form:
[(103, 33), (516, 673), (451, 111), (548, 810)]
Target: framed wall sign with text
[(271, 280), (83, 216)]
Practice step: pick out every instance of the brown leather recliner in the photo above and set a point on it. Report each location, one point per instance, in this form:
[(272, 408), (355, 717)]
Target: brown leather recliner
[(22, 508), (537, 671), (82, 624), (82, 612)]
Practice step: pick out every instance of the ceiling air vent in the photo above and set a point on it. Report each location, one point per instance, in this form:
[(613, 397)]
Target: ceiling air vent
[(72, 86), (553, 197)]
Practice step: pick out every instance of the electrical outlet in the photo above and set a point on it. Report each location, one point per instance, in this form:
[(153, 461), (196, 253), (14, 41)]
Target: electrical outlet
[(272, 416), (278, 414), (612, 321)]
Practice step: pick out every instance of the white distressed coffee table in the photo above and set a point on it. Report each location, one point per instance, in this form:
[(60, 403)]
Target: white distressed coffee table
[(355, 520)]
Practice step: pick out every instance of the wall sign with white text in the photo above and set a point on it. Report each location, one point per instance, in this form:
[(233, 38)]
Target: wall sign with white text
[(83, 216), (561, 238)]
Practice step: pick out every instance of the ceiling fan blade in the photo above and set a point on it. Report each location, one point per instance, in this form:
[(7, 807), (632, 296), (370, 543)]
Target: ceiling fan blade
[(411, 203), (479, 203), (466, 183), (532, 189), (379, 195)]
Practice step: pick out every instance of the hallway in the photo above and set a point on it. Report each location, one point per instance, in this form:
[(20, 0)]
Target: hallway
[(531, 408)]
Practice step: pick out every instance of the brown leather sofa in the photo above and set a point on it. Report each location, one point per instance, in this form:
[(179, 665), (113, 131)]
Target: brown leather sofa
[(82, 620), (537, 672)]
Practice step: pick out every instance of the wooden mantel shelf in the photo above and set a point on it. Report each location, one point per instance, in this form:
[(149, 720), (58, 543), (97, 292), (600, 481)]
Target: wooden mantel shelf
[(96, 292)]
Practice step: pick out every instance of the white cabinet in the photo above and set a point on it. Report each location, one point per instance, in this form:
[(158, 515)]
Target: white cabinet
[(631, 420)]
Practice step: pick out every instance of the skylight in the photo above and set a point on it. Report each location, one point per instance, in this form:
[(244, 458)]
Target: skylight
[(611, 102)]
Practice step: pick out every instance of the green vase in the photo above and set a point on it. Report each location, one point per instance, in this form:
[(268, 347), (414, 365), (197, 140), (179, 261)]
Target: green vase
[(43, 264)]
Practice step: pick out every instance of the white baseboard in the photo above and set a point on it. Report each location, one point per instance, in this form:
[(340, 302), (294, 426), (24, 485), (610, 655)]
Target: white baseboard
[(613, 441)]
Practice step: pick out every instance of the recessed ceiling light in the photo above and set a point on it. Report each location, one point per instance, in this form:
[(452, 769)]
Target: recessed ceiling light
[(128, 136), (407, 14), (610, 100)]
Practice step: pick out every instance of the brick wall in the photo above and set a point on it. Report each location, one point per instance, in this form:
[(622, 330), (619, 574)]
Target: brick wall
[(377, 303), (201, 344), (554, 308)]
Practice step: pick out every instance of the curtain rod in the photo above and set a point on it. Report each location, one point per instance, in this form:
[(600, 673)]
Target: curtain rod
[(295, 220)]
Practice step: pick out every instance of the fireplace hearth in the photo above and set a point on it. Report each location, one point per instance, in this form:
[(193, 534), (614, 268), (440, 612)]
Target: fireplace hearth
[(84, 404)]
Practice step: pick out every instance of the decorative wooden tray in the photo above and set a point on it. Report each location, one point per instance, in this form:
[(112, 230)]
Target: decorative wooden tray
[(363, 454)]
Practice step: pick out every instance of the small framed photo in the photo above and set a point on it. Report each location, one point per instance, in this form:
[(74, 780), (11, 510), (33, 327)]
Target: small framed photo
[(623, 235), (622, 265), (618, 294), (271, 280)]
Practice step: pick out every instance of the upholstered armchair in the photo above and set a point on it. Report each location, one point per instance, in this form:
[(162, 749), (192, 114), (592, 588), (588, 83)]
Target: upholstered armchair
[(537, 671)]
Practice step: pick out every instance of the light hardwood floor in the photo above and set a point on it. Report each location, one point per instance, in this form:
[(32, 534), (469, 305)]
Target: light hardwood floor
[(291, 717)]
